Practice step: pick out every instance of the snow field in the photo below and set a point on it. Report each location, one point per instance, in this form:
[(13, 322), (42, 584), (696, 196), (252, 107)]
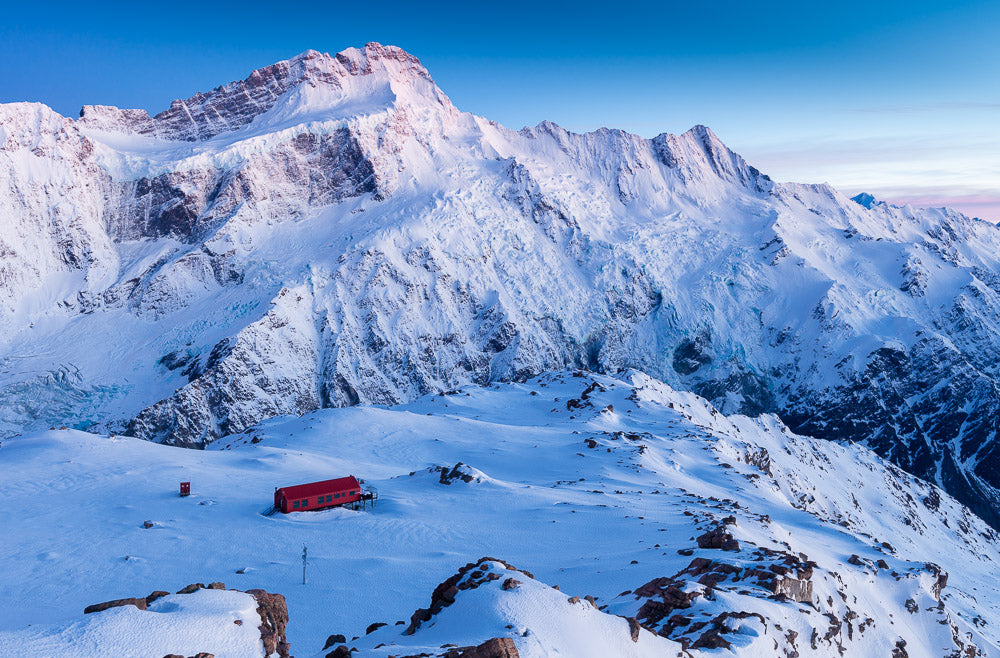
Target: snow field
[(594, 499)]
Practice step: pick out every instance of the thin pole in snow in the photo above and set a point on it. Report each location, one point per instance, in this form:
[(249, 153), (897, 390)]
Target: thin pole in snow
[(305, 562)]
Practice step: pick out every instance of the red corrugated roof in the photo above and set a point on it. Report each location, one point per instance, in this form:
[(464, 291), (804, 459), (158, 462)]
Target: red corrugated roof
[(350, 483)]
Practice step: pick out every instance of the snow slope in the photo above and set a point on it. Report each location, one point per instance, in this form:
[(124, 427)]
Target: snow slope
[(186, 624), (332, 230), (590, 483)]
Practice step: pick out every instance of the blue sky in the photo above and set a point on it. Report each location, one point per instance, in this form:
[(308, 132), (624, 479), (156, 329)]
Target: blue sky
[(901, 99)]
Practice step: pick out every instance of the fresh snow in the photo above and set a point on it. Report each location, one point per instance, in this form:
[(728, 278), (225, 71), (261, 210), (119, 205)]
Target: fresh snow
[(186, 624), (539, 497)]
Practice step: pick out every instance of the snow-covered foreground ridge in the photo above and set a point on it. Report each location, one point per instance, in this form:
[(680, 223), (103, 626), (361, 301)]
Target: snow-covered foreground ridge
[(332, 230), (714, 534), (223, 620)]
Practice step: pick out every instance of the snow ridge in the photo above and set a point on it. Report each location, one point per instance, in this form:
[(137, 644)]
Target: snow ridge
[(667, 525)]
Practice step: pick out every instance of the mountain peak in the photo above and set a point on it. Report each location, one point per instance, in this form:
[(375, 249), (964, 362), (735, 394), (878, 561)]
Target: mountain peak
[(864, 199), (699, 151), (704, 133), (372, 58), (362, 59), (375, 72)]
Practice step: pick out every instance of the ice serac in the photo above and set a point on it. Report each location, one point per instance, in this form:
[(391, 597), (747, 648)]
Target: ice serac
[(331, 230)]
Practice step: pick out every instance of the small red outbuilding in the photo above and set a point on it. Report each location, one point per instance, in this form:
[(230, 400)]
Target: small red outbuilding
[(318, 495)]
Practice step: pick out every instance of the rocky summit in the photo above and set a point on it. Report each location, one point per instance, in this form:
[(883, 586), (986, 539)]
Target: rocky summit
[(331, 231)]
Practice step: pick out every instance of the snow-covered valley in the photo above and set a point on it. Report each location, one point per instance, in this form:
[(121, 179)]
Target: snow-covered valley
[(601, 486)]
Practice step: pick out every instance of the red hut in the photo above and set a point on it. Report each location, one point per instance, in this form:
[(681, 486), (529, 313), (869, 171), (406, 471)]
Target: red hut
[(320, 495)]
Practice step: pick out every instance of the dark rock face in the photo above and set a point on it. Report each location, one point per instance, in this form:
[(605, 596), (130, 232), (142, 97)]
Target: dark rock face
[(306, 172), (468, 577), (928, 410), (457, 472), (940, 580), (663, 596), (193, 587), (273, 613), (633, 628), (497, 647), (340, 652), (98, 607), (793, 589), (692, 354), (773, 575), (718, 538), (713, 637), (158, 594)]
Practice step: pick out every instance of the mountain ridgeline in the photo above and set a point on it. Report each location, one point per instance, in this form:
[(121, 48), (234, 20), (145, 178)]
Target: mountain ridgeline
[(333, 231)]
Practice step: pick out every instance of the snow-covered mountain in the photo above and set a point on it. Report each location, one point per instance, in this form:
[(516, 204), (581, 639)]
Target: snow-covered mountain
[(669, 529), (332, 230)]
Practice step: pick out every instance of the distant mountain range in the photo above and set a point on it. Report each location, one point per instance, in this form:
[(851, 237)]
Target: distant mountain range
[(333, 231)]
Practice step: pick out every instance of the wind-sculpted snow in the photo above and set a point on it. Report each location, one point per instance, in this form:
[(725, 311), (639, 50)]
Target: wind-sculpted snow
[(152, 258), (222, 621), (666, 526)]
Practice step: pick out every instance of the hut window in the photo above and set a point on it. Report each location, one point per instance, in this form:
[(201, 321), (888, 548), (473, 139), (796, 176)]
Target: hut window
[(296, 504), (329, 499), (336, 495)]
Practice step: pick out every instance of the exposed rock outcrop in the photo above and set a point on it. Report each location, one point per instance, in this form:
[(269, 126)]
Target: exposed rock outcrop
[(471, 576), (719, 538), (273, 613), (98, 607), (497, 647), (460, 472), (272, 609)]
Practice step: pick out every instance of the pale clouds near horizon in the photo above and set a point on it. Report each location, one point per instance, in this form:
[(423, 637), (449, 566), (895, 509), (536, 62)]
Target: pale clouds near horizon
[(931, 155)]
